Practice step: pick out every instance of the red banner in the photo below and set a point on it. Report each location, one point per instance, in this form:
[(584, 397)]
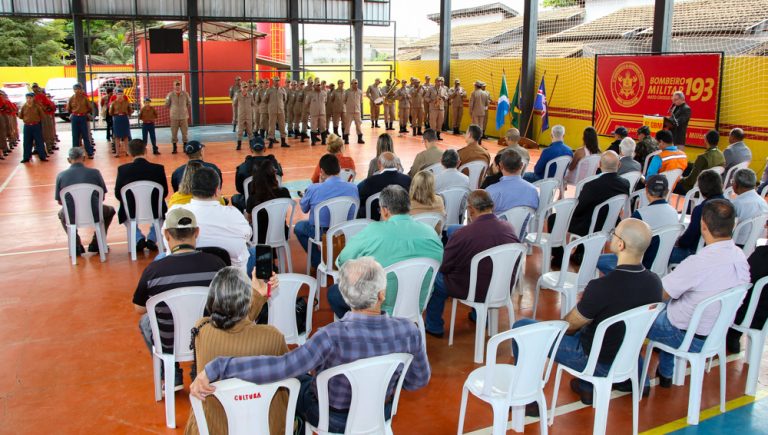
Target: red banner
[(630, 87)]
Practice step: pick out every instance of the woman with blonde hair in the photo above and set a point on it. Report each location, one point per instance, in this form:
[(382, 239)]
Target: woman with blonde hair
[(335, 147), (184, 194), (383, 144), (423, 196)]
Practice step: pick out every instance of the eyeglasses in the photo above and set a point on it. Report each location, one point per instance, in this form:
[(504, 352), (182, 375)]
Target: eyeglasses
[(612, 233)]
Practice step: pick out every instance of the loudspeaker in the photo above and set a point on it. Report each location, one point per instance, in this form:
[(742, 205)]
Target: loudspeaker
[(166, 41)]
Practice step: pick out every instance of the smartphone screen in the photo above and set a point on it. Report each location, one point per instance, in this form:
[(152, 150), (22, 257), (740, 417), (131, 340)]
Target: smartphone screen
[(263, 262)]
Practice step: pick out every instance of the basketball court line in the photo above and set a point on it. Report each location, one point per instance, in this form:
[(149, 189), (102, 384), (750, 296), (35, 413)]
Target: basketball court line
[(10, 177), (41, 251)]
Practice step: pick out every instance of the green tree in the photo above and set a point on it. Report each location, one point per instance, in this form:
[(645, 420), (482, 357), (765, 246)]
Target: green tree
[(111, 47), (26, 40)]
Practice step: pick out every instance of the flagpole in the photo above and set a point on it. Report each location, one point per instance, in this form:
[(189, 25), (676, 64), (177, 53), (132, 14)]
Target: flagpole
[(554, 86), (530, 118)]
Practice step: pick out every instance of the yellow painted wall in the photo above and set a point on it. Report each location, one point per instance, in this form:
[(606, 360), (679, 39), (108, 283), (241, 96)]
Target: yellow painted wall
[(30, 74)]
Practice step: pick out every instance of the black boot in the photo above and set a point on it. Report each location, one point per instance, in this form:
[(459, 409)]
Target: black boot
[(414, 131), (456, 131), (312, 138), (336, 130), (283, 144), (360, 138), (346, 139), (324, 135), (272, 142), (174, 149), (234, 127), (438, 136), (418, 131), (155, 150), (239, 145), (302, 136)]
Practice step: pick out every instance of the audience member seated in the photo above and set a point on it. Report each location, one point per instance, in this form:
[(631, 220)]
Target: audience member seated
[(670, 157), (748, 202), (763, 179), (657, 214), (707, 160), (330, 186), (194, 151), (362, 284), (629, 286), (450, 176), (221, 226), (627, 162), (556, 149), (140, 170), (484, 231), (245, 169), (423, 196), (184, 194), (384, 144), (494, 171), (619, 135), (385, 176), (512, 190), (575, 172), (431, 154), (758, 268), (717, 267), (335, 147), (602, 188), (646, 144), (183, 267), (264, 188), (512, 139), (473, 151), (78, 173), (711, 187), (230, 331), (396, 238), (737, 152)]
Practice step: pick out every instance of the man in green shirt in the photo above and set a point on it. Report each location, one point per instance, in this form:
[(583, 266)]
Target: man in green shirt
[(707, 160), (395, 238)]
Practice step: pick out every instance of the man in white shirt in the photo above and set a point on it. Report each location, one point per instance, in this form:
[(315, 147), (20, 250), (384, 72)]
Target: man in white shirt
[(748, 203), (450, 176), (220, 226)]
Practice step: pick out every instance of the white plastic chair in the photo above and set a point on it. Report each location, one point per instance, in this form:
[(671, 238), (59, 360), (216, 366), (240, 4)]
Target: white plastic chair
[(519, 217), (614, 206), (563, 211), (668, 236), (247, 188), (582, 182), (347, 175), (476, 170), (569, 284), (282, 306), (507, 386), (339, 209), (142, 212), (637, 322), (434, 168), (277, 211), (432, 219), (81, 195), (635, 200), (369, 205), (633, 177), (186, 305), (728, 180), (692, 199), (728, 193), (754, 227), (729, 302), (506, 260), (648, 160), (455, 200), (547, 197), (410, 276), (592, 164), (764, 192), (755, 337), (326, 267), (719, 169), (247, 405), (369, 380), (673, 177), (561, 165)]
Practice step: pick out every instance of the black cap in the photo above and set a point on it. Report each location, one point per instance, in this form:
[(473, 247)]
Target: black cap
[(257, 143), (192, 147), (644, 130), (621, 131), (657, 185)]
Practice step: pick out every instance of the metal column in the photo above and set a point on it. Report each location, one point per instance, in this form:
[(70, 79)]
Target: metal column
[(194, 68), (293, 14), (662, 25), (357, 27), (445, 49), (528, 81), (79, 39)]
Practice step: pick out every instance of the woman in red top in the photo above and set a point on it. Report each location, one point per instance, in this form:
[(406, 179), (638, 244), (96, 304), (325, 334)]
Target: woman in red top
[(335, 146)]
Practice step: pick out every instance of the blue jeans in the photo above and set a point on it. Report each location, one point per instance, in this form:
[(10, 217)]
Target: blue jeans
[(34, 132), (531, 177), (679, 254), (79, 126), (152, 236), (664, 332), (149, 130), (450, 229), (304, 230), (436, 306), (337, 302), (607, 263)]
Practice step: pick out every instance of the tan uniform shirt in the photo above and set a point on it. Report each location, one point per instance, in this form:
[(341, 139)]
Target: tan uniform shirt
[(373, 92), (417, 95), (276, 100), (78, 105), (179, 104), (316, 103), (404, 96), (120, 107), (336, 99), (245, 105), (353, 101), (456, 96), (478, 102), (436, 97), (31, 113), (147, 114), (473, 152), (262, 101)]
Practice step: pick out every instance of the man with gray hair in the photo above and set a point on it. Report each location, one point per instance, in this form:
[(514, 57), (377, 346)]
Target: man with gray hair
[(627, 162), (680, 115), (748, 203), (737, 151), (602, 188), (556, 149), (364, 332), (386, 176), (78, 173), (450, 176), (396, 238), (512, 139)]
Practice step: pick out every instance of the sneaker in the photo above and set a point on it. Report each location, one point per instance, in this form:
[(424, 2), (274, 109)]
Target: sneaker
[(585, 396), (141, 245), (25, 161), (664, 382), (151, 245), (626, 387), (435, 334)]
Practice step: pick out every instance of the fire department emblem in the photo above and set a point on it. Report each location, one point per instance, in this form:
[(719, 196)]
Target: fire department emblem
[(627, 84)]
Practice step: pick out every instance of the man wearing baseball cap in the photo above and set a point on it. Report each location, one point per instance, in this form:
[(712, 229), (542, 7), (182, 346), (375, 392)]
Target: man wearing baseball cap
[(183, 267), (79, 110), (657, 214), (618, 135), (194, 151), (245, 169)]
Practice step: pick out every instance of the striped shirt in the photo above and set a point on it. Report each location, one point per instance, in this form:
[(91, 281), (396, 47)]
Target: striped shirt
[(172, 272), (355, 336)]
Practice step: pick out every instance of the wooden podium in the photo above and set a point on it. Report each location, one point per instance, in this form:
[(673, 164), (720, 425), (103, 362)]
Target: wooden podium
[(654, 122)]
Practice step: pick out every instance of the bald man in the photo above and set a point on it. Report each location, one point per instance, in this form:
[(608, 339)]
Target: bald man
[(604, 187), (629, 286)]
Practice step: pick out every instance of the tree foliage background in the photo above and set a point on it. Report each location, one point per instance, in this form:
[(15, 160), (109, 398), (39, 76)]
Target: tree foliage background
[(25, 39)]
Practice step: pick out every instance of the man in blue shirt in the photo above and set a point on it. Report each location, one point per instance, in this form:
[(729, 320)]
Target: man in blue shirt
[(556, 149), (330, 186), (512, 190)]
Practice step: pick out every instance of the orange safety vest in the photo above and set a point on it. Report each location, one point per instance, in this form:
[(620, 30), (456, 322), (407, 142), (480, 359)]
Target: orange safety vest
[(671, 160)]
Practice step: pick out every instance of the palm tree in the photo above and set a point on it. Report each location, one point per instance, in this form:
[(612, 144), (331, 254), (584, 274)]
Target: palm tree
[(111, 47)]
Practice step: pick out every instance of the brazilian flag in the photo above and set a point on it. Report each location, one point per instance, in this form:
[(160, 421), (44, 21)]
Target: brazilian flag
[(516, 111)]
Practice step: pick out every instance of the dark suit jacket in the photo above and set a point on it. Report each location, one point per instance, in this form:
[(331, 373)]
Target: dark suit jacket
[(596, 191), (245, 169), (139, 170), (680, 115), (375, 184)]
